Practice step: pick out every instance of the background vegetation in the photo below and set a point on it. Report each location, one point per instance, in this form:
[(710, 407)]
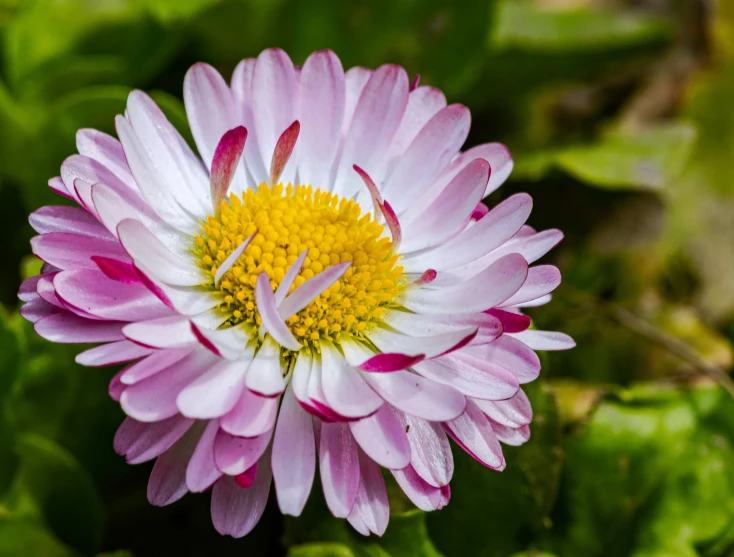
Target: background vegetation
[(620, 114)]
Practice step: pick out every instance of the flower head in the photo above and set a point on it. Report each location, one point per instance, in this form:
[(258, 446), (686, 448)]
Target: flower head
[(321, 282)]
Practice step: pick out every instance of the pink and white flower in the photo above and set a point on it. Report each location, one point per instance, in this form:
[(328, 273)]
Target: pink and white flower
[(321, 282)]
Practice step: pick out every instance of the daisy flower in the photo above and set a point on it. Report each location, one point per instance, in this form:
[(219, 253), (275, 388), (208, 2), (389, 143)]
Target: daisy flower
[(320, 283)]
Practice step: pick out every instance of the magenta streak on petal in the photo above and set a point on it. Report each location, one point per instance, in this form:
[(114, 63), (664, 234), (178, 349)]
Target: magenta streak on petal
[(372, 188), (392, 222), (479, 212), (247, 478), (232, 258), (205, 342), (461, 344), (271, 319), (383, 206), (416, 82), (511, 322), (388, 362), (283, 150), (57, 186), (224, 164), (115, 269), (427, 277), (154, 288), (470, 453)]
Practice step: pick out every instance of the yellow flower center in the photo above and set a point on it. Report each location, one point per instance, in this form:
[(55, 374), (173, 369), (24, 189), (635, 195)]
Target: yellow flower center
[(290, 221)]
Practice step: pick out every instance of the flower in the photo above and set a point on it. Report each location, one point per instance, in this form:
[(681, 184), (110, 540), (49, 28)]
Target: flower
[(321, 282)]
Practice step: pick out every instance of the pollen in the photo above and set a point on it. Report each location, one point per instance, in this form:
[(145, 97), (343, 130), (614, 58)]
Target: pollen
[(290, 220)]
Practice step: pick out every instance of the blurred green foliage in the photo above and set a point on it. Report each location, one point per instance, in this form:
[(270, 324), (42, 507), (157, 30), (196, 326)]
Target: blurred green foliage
[(620, 118)]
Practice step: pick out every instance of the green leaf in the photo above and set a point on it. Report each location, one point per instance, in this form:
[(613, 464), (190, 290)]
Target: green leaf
[(10, 355), (407, 536), (21, 538), (62, 491), (33, 36), (697, 500), (649, 159), (321, 550), (169, 11), (614, 466), (531, 24)]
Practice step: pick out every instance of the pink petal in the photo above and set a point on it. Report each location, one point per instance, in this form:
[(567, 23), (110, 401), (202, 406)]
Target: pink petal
[(430, 451), (213, 393), (354, 81), (377, 115), (289, 277), (423, 104), (68, 328), (491, 232), (339, 465), (112, 354), (265, 375), (311, 289), (471, 376), (157, 361), (321, 106), (418, 396), (473, 432), (271, 319), (72, 251), (541, 280), (274, 93), (513, 412), (116, 388), (545, 340), (157, 189), (509, 435), (344, 389), (166, 332), (450, 210), (488, 289), (117, 270), (429, 346), (210, 109), (511, 322), (107, 151), (230, 344), (179, 171), (422, 495), (294, 456), (234, 455), (167, 482), (236, 511), (94, 293), (154, 398), (251, 416), (283, 151), (145, 248), (371, 511), (510, 354), (202, 472), (225, 162), (140, 442), (383, 438), (71, 220), (431, 150)]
